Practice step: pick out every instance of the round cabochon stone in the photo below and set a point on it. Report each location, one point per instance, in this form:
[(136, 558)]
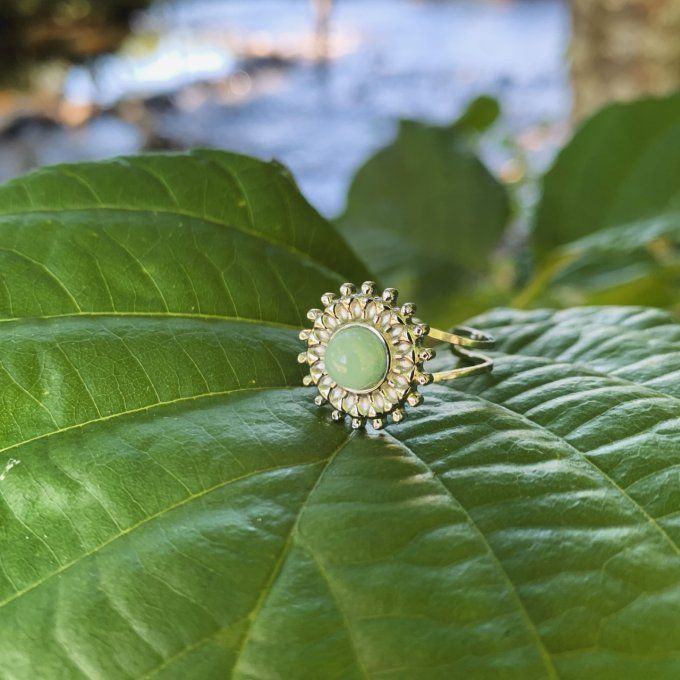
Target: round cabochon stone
[(357, 358)]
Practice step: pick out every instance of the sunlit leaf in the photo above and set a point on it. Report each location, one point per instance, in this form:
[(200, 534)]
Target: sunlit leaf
[(175, 506)]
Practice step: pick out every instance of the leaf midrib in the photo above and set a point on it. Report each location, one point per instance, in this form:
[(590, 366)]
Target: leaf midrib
[(533, 632), (278, 566), (283, 245), (142, 409), (112, 539), (152, 315), (524, 613)]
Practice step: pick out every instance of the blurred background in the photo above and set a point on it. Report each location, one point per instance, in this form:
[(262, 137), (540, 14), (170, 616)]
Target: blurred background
[(322, 86), (319, 84)]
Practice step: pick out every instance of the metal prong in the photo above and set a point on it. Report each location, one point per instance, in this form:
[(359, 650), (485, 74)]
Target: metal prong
[(302, 358), (368, 287), (347, 289), (319, 400), (358, 423), (337, 416), (378, 423), (307, 380), (304, 334), (314, 314)]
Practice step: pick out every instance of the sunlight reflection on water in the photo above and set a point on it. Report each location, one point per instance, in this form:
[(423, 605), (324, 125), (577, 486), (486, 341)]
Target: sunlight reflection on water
[(398, 58)]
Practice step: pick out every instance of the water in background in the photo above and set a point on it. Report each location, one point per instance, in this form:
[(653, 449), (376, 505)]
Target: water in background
[(238, 74)]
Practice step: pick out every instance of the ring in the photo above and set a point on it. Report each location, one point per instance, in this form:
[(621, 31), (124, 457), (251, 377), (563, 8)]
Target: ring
[(365, 354)]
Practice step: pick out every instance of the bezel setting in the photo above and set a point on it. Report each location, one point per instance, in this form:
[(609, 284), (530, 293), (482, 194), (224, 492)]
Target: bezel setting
[(403, 336)]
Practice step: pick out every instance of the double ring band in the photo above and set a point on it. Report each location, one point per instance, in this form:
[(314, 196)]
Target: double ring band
[(463, 341)]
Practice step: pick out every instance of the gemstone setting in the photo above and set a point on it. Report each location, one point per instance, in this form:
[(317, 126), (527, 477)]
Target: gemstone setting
[(365, 355), (357, 357)]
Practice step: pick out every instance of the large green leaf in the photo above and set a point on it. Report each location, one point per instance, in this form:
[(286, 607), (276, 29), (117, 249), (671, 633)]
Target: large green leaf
[(622, 166), (427, 214), (174, 506), (609, 267), (610, 209)]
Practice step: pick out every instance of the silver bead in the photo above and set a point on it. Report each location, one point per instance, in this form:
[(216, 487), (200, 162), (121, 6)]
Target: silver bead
[(337, 416), (390, 295), (314, 314), (319, 400), (327, 299), (347, 289), (426, 354), (302, 358), (368, 287), (378, 423), (423, 378), (307, 380), (398, 415), (414, 399), (358, 423), (420, 330), (304, 334), (408, 309)]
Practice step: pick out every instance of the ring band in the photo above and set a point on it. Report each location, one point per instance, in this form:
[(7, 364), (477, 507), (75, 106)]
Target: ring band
[(366, 355), (460, 339), (465, 337)]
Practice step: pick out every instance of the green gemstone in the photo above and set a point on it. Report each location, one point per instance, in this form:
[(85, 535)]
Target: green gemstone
[(357, 358)]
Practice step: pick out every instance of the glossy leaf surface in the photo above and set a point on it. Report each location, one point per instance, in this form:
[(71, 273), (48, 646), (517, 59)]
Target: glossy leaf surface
[(174, 506)]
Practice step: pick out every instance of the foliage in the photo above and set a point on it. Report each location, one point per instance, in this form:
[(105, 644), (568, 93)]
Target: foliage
[(606, 229), (621, 167), (173, 504), (427, 214), (610, 209)]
